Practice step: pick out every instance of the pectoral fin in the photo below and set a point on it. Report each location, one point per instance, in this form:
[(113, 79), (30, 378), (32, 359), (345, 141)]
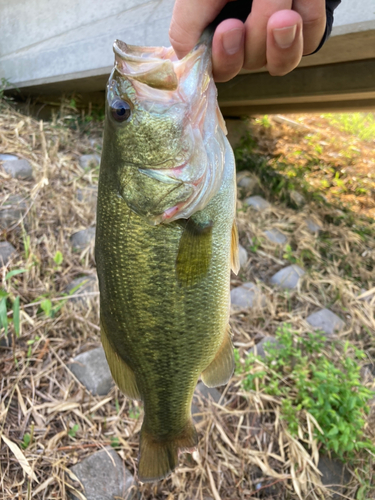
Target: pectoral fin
[(122, 374), (195, 252), (220, 370), (235, 256)]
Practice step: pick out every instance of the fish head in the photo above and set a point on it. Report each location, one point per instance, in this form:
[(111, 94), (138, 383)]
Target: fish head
[(164, 131)]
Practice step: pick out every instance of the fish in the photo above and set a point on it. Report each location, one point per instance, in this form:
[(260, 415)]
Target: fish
[(166, 241)]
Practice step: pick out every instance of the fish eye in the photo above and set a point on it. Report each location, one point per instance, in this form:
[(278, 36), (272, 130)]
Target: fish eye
[(120, 110)]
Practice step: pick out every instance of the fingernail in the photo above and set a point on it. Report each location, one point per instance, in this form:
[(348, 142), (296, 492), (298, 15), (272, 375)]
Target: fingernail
[(284, 37), (232, 40)]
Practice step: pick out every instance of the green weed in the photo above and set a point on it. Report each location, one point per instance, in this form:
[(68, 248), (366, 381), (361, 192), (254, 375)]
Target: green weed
[(361, 125), (134, 412), (73, 431), (264, 121), (256, 243), (26, 440), (289, 255), (10, 306), (115, 442), (299, 371), (5, 84)]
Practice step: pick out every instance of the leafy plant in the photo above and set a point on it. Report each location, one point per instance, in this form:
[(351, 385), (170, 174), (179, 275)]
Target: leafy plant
[(30, 343), (115, 442), (58, 258), (47, 305), (361, 125), (134, 412), (26, 242), (5, 85), (26, 440), (289, 255), (73, 431), (298, 370), (256, 243), (10, 304)]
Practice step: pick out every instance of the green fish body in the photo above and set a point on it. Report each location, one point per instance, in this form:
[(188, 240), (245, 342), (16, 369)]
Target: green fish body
[(165, 242)]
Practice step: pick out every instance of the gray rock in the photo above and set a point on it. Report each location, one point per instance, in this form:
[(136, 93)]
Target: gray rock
[(276, 236), (6, 251), (92, 370), (335, 476), (288, 277), (89, 284), (258, 203), (12, 210), (313, 226), (297, 198), (18, 169), (261, 346), (83, 239), (242, 255), (96, 143), (246, 181), (6, 341), (6, 157), (104, 477), (247, 295), (325, 320), (87, 161), (203, 394), (88, 195), (368, 373)]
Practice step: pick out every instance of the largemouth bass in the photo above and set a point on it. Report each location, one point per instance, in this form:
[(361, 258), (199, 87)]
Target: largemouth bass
[(165, 241)]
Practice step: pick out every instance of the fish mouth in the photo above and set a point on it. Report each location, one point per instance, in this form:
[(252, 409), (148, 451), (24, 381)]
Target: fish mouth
[(184, 89)]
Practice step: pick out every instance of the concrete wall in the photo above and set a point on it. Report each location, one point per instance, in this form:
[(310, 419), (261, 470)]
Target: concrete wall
[(54, 46), (51, 40), (354, 15)]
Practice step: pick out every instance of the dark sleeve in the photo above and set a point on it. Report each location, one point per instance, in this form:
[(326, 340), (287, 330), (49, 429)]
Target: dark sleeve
[(330, 7)]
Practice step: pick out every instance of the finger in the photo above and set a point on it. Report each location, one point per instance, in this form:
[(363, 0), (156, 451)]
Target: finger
[(284, 42), (256, 30), (313, 13), (189, 19), (228, 49)]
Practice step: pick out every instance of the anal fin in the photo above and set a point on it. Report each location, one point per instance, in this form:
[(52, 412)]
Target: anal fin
[(122, 374), (220, 370)]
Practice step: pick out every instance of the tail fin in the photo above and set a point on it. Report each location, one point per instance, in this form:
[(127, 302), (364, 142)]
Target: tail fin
[(158, 458)]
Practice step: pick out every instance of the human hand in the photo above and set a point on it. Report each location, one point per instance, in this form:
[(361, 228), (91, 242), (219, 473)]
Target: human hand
[(275, 35)]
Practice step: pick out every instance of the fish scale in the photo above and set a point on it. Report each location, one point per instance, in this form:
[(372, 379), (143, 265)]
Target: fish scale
[(164, 321)]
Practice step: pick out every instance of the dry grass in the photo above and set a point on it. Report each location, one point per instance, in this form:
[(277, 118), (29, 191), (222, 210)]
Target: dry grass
[(245, 450)]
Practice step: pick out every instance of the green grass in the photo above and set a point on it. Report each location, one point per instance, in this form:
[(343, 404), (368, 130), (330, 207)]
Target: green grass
[(310, 376), (361, 125)]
